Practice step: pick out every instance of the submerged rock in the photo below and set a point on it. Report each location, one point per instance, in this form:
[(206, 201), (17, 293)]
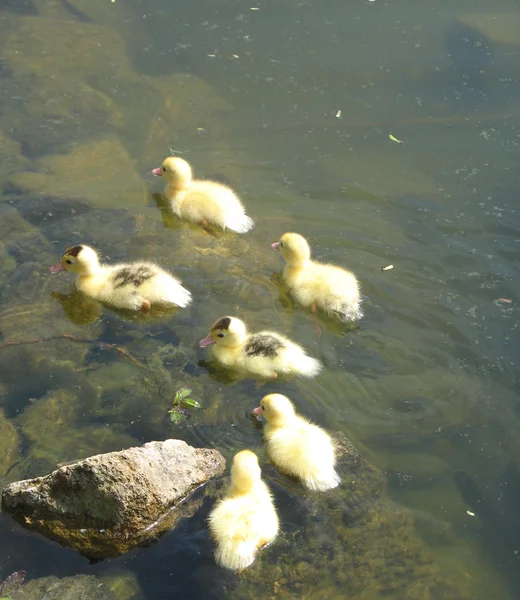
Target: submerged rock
[(79, 587), (106, 504), (9, 444), (503, 28), (97, 171)]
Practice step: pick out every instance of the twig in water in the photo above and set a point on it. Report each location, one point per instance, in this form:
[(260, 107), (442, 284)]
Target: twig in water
[(73, 338)]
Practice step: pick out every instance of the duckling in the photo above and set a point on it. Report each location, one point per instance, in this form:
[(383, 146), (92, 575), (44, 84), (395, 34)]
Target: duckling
[(198, 201), (265, 354), (332, 289), (245, 519), (134, 286), (296, 446)]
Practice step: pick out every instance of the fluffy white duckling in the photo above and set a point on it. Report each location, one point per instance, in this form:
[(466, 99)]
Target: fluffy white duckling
[(265, 354), (200, 201), (245, 519), (332, 289), (296, 446), (134, 286)]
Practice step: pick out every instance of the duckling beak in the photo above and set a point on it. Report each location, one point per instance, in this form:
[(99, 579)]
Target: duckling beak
[(258, 411), (157, 172), (57, 268), (207, 341), (275, 246)]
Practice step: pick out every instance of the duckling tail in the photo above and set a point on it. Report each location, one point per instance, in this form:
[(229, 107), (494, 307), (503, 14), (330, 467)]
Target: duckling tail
[(240, 223), (307, 366), (182, 297), (235, 553), (323, 481)]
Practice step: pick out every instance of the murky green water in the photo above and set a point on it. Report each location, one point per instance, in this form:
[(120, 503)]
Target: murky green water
[(293, 104)]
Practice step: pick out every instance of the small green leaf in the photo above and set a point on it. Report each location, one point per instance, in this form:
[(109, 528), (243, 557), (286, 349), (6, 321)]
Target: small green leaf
[(184, 392), (175, 416), (191, 402), (394, 139)]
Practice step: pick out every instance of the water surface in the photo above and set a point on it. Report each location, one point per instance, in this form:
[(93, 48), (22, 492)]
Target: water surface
[(293, 104)]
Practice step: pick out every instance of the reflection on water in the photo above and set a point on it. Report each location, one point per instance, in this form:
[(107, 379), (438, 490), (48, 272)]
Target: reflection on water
[(293, 105)]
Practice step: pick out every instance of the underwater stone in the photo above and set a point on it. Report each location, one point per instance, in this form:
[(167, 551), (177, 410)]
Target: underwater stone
[(11, 158), (503, 28), (106, 504), (95, 171), (9, 444), (79, 587)]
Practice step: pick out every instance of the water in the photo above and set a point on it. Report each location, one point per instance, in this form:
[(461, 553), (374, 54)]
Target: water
[(293, 104)]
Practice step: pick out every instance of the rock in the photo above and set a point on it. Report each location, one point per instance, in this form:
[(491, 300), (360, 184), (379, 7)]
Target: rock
[(95, 171), (52, 60), (79, 587), (106, 504), (67, 48), (11, 158), (498, 27), (9, 444), (190, 112), (124, 584)]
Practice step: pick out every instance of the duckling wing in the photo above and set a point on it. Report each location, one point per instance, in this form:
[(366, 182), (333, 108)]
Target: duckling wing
[(133, 276), (264, 345), (333, 289), (303, 450)]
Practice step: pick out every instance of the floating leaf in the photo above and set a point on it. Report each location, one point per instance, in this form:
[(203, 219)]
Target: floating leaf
[(394, 139), (175, 416), (190, 402), (184, 392)]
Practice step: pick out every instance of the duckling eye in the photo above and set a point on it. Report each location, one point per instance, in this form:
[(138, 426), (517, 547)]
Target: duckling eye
[(164, 169), (281, 244), (220, 335), (69, 262)]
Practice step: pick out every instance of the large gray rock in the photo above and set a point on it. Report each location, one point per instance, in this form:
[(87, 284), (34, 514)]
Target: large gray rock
[(106, 504)]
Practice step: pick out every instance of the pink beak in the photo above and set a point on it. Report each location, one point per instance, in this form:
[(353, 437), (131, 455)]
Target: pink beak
[(275, 246), (259, 411), (157, 172), (57, 268), (207, 341)]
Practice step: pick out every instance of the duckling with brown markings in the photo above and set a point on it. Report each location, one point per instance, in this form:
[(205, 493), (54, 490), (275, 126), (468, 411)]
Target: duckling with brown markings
[(133, 286), (264, 354), (200, 201)]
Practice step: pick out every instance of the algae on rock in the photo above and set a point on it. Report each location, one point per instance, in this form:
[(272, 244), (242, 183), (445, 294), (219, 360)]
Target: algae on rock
[(9, 444), (97, 170), (79, 587)]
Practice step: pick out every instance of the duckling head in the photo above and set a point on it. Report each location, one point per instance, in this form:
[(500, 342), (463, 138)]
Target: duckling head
[(276, 409), (176, 171), (245, 472), (81, 260), (227, 331), (294, 248)]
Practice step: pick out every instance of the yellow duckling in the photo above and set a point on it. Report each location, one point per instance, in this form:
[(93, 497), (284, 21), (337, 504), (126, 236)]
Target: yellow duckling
[(134, 286), (265, 354), (198, 201), (296, 446), (330, 288), (245, 519)]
